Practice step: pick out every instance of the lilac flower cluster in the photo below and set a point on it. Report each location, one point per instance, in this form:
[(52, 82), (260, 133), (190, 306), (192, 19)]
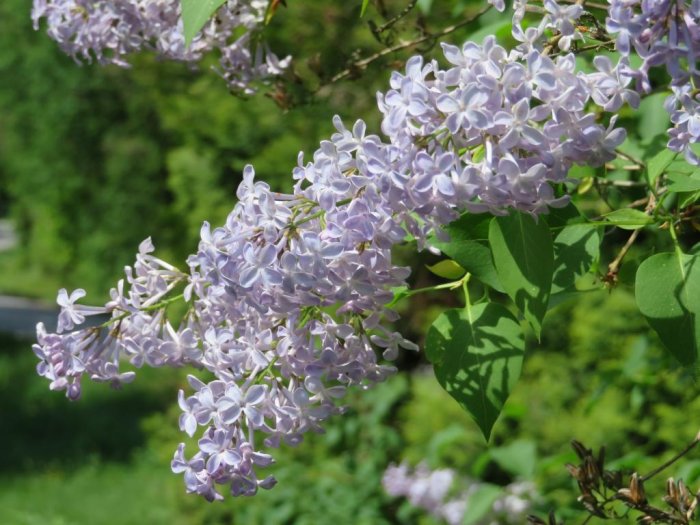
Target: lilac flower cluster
[(109, 30), (664, 33), (497, 129), (448, 498), (288, 300), (67, 355)]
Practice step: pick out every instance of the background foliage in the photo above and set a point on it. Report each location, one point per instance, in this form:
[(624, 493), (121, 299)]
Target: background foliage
[(92, 160)]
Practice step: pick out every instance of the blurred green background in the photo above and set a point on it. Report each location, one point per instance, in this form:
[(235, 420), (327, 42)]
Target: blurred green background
[(93, 160)]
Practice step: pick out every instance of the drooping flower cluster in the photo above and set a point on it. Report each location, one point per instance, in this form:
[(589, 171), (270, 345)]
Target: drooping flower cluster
[(664, 33), (497, 129), (447, 497), (109, 30), (288, 300)]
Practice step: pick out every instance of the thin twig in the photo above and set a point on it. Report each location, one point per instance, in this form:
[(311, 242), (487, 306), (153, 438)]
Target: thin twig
[(630, 158), (360, 65), (671, 461), (614, 267), (585, 3), (387, 25), (622, 183), (628, 167)]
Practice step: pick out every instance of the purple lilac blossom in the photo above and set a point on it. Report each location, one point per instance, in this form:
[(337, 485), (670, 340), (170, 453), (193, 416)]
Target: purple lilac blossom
[(664, 33), (107, 31), (288, 299), (447, 497)]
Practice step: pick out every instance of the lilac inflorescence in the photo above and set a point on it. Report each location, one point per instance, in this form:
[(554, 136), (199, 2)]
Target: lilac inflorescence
[(447, 497), (109, 30), (288, 300), (664, 33)]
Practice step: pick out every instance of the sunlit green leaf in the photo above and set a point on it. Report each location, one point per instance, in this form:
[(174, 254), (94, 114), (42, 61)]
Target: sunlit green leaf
[(654, 120), (468, 246), (629, 219), (518, 457), (659, 163), (667, 289), (523, 254), (576, 249), (681, 182), (425, 5), (477, 356), (196, 13), (480, 503), (448, 269), (365, 3)]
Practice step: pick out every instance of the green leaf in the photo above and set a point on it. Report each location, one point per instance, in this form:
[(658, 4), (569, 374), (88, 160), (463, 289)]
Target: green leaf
[(480, 503), (399, 293), (566, 216), (659, 163), (365, 3), (448, 269), (576, 250), (681, 182), (523, 254), (477, 355), (518, 458), (667, 289), (653, 118), (196, 13), (468, 246), (629, 219), (688, 199), (425, 5)]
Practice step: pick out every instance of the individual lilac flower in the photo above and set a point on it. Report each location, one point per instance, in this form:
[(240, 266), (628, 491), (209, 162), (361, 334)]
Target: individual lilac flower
[(74, 314), (563, 19), (189, 468), (217, 444), (235, 402)]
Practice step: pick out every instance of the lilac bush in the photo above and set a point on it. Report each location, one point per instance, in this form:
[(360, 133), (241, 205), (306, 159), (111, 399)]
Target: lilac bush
[(290, 302)]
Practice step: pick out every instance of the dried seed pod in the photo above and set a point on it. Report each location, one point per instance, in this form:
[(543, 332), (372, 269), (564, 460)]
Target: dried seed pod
[(612, 479), (634, 496), (581, 451)]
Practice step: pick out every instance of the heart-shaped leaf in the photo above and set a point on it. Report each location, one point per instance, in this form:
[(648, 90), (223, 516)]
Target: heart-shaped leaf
[(477, 355), (667, 289), (468, 247), (576, 249), (523, 254)]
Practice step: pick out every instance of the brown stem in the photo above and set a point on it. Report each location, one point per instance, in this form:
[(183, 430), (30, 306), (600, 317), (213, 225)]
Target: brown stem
[(671, 461), (630, 158), (585, 3), (387, 25), (360, 65), (614, 267)]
